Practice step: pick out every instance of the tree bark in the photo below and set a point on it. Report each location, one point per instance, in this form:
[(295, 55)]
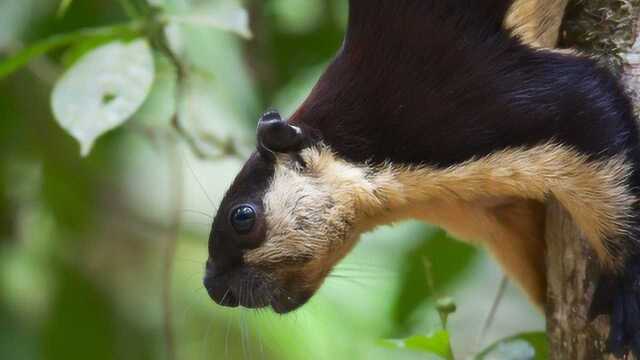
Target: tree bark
[(571, 271), (607, 29)]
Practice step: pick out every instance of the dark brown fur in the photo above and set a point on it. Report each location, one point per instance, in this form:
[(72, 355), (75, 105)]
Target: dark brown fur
[(422, 82), (430, 88)]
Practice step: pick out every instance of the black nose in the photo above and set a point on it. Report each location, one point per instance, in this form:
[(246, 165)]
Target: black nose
[(218, 286)]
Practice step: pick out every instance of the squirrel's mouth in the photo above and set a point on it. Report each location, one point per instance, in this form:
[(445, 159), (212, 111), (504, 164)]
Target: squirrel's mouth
[(251, 289)]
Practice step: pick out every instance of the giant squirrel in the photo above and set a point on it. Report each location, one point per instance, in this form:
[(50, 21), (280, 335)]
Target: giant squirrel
[(455, 112)]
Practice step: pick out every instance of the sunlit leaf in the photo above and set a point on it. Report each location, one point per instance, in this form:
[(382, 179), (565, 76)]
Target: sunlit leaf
[(525, 346), (199, 117), (225, 15), (160, 105), (436, 343), (41, 47), (102, 90)]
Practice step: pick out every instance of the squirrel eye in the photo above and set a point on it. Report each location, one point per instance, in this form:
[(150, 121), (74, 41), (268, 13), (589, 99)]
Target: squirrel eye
[(243, 218)]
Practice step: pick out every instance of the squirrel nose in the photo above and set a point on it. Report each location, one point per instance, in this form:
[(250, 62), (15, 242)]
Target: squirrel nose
[(218, 286)]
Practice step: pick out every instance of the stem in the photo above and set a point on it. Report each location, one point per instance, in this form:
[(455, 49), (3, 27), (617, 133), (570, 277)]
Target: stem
[(227, 147), (488, 322), (24, 56), (177, 186)]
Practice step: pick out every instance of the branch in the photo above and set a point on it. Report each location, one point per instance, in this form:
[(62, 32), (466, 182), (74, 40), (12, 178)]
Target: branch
[(227, 147), (607, 29)]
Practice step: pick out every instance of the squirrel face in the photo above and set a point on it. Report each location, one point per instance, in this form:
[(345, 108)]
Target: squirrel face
[(289, 216)]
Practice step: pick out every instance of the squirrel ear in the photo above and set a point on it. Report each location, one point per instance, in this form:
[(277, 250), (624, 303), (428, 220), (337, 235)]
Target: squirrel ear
[(276, 135)]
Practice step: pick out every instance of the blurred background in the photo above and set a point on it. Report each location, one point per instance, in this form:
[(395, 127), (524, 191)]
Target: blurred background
[(101, 257)]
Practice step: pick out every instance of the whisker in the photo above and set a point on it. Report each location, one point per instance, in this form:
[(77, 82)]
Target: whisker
[(199, 183), (194, 223), (225, 295), (226, 339), (350, 279), (243, 335), (241, 294), (258, 328), (185, 313), (372, 269), (205, 340), (189, 261), (198, 212), (364, 267), (250, 290), (360, 262), (250, 339), (362, 274)]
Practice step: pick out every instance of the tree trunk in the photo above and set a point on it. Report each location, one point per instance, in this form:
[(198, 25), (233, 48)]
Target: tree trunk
[(609, 30), (571, 271)]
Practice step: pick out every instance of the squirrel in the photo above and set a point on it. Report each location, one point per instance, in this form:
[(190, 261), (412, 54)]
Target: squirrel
[(455, 112)]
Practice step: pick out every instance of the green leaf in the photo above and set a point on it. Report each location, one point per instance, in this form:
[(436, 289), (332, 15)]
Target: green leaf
[(102, 90), (41, 47), (225, 15), (436, 343), (76, 51), (448, 258), (298, 16), (525, 346)]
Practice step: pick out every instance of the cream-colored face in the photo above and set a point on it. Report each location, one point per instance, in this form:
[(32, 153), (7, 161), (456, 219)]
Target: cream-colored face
[(310, 209), (307, 218)]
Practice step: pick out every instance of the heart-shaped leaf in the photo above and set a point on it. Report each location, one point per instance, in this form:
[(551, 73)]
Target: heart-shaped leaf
[(102, 90)]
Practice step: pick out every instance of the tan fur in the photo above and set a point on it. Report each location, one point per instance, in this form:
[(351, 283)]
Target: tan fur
[(594, 193), (536, 22), (518, 244), (310, 218), (318, 212)]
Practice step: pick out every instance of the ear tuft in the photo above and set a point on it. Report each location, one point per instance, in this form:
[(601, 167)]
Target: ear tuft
[(276, 135)]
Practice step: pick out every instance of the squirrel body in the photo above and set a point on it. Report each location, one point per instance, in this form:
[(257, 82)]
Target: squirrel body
[(454, 112)]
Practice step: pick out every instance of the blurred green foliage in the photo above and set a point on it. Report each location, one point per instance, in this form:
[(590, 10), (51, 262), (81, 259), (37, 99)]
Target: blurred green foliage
[(82, 241), (426, 263)]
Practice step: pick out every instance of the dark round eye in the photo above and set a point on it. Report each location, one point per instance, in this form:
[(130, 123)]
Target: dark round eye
[(242, 218)]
